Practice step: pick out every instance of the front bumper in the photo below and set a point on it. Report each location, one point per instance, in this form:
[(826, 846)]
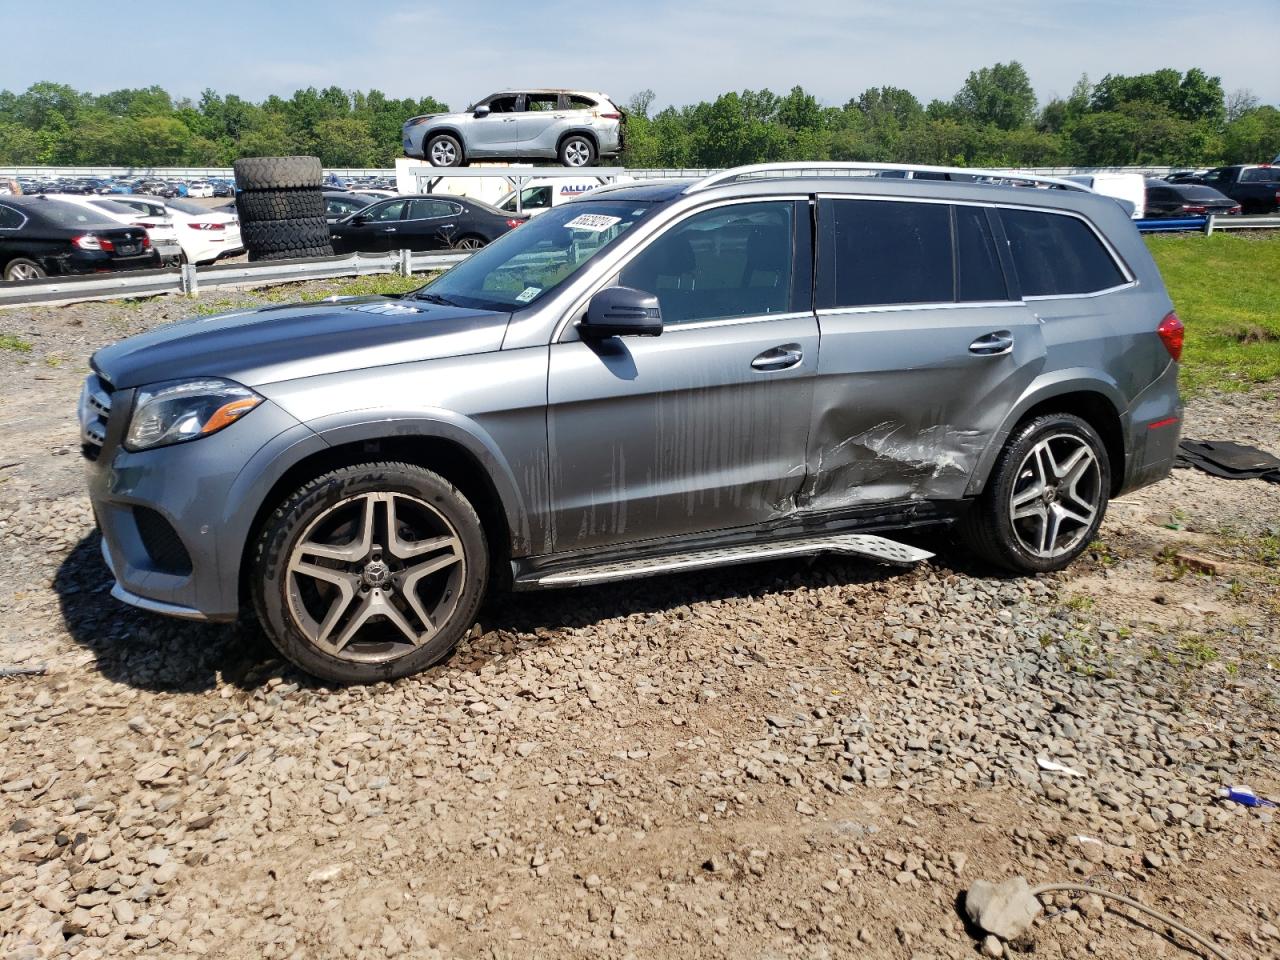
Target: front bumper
[(196, 501)]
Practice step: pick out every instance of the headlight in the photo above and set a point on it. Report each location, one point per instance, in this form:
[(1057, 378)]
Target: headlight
[(179, 410)]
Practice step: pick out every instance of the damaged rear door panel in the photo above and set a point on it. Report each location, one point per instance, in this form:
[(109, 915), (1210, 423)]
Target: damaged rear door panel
[(924, 347)]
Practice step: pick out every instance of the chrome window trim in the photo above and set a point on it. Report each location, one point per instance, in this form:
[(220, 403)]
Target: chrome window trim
[(732, 321), (619, 258), (901, 307)]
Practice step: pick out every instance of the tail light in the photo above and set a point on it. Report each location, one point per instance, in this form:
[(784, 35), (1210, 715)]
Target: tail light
[(1195, 208), (1237, 209), (512, 222), (87, 241), (207, 226), (1171, 333), (609, 116), (146, 242)]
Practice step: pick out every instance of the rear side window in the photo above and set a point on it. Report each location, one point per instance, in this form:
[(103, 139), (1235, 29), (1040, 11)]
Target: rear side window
[(979, 276), (1057, 255), (580, 103), (10, 219), (1259, 175), (885, 252)]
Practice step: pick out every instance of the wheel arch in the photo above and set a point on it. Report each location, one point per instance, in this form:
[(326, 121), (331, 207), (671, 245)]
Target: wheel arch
[(1095, 399), (579, 132), (428, 135), (461, 458)]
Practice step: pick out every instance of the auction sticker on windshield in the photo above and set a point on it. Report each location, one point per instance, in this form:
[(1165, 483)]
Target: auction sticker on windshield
[(595, 222), (527, 294)]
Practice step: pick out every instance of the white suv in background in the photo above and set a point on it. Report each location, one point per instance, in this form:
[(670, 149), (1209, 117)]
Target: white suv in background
[(575, 127)]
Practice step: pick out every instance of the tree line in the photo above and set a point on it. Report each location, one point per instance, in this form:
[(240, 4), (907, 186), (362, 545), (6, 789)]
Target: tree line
[(1160, 118)]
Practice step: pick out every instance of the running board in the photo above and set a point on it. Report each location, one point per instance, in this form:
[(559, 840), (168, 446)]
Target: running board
[(859, 544)]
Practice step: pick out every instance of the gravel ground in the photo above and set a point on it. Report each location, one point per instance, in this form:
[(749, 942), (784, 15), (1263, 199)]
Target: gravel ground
[(784, 760)]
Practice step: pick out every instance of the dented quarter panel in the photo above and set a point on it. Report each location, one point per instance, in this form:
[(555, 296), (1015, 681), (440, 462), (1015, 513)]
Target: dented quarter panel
[(658, 437), (902, 409)]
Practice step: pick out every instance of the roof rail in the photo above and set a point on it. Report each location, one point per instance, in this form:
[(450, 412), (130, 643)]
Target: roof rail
[(769, 171)]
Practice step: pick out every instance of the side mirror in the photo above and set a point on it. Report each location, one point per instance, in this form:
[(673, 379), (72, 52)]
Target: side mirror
[(481, 112), (621, 312), (359, 220)]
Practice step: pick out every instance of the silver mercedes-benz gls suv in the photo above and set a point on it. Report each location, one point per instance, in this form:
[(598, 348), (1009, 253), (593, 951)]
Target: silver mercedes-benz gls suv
[(775, 360)]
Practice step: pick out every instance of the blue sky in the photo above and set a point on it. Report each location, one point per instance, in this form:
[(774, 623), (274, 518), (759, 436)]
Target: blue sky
[(684, 50)]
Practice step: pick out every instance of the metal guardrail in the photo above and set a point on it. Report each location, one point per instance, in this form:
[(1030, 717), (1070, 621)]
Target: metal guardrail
[(1214, 224), (1207, 225), (191, 280)]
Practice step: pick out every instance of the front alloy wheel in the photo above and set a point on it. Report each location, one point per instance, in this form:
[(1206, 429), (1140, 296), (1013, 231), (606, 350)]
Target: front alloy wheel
[(370, 572)]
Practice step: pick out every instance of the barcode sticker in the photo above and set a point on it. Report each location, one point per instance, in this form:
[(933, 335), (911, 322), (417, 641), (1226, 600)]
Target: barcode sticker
[(595, 222), (527, 294)]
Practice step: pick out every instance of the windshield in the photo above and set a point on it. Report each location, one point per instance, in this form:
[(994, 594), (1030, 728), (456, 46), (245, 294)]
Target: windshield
[(115, 208), (537, 257)]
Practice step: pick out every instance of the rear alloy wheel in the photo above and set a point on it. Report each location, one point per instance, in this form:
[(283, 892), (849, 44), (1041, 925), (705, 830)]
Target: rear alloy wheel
[(469, 243), (1045, 499), (23, 269), (577, 151), (370, 573), (444, 151)]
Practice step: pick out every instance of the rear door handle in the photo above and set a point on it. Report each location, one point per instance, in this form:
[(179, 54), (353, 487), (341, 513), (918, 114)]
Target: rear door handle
[(995, 344), (779, 358)]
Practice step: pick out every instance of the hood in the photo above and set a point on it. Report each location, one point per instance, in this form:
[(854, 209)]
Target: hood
[(255, 347)]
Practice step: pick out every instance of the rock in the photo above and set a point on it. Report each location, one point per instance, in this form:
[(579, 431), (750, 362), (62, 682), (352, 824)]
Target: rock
[(1006, 909), (991, 946), (123, 911)]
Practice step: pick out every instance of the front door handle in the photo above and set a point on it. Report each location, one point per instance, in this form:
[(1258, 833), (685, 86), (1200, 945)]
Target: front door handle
[(779, 358), (388, 229), (995, 344)]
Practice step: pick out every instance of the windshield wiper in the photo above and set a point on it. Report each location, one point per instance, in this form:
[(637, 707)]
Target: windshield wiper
[(434, 298)]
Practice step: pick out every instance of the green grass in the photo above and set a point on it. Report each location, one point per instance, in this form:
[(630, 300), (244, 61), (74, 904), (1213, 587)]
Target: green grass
[(1226, 289), (14, 343)]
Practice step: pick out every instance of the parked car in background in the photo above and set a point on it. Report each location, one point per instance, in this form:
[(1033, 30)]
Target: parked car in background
[(155, 220), (1127, 187), (631, 384), (575, 127), (374, 193), (40, 236), (1165, 199), (1256, 187), (200, 188), (545, 193), (221, 188), (204, 234), (421, 222), (341, 203)]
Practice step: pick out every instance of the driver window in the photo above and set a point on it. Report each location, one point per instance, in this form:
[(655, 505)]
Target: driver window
[(502, 104), (734, 261), (386, 212)]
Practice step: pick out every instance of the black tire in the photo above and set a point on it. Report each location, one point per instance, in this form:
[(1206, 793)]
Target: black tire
[(574, 148), (444, 150), (269, 173), (271, 236), (257, 206), (988, 528), (294, 253), (275, 599), (22, 265)]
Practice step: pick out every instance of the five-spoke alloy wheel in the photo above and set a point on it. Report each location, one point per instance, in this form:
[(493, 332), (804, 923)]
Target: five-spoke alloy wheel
[(370, 572), (1045, 497)]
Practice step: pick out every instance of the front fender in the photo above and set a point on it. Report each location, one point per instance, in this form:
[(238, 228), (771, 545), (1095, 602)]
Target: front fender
[(1045, 387), (440, 424)]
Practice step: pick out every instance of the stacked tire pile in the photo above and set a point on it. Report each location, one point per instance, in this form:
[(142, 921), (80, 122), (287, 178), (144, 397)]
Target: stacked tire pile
[(281, 207)]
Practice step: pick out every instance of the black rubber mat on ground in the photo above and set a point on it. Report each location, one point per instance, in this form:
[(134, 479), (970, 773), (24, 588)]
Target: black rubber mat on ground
[(1232, 461)]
